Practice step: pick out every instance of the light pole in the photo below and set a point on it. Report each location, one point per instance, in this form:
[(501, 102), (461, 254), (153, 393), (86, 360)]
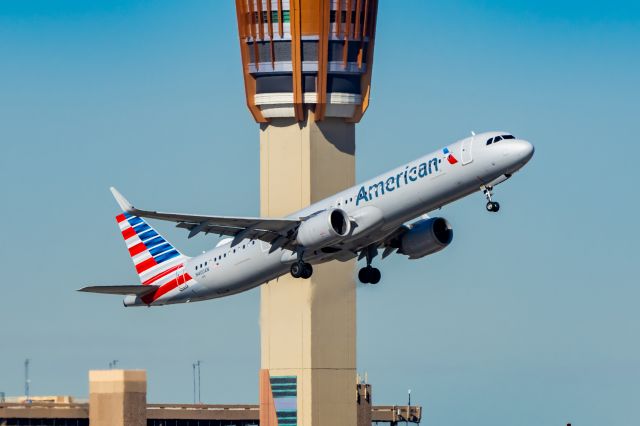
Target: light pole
[(194, 382), (408, 407), (196, 379), (199, 384), (27, 381)]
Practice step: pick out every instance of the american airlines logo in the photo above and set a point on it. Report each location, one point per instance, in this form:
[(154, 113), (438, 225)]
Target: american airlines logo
[(409, 175)]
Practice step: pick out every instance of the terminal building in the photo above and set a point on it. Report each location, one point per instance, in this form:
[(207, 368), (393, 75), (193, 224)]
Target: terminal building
[(118, 398)]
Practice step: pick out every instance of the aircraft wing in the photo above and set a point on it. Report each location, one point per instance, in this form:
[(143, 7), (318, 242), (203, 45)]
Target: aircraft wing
[(124, 290), (265, 229)]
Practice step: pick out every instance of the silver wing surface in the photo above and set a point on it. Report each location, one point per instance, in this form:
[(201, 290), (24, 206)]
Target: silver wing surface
[(278, 232)]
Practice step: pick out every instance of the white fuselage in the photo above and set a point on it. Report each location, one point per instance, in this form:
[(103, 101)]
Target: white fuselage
[(389, 200)]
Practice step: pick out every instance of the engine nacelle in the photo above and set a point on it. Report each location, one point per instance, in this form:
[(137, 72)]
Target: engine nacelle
[(426, 237), (324, 229)]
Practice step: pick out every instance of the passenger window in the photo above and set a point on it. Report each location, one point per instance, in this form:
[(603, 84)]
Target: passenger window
[(205, 263), (489, 141)]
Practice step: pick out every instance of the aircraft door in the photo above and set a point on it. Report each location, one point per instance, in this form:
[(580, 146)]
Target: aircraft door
[(466, 154)]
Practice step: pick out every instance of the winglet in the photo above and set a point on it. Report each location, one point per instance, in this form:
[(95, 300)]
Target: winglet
[(122, 202)]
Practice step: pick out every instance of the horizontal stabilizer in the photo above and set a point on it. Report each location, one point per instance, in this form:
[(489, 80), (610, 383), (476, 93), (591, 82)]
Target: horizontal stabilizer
[(124, 290)]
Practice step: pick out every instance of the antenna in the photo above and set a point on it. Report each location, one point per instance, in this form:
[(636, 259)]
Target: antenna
[(473, 133), (27, 381)]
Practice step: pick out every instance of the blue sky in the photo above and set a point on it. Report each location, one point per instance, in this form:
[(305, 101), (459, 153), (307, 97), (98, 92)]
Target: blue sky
[(529, 318)]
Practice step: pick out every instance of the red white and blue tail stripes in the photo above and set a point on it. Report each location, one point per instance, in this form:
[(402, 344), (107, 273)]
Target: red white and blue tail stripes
[(156, 261)]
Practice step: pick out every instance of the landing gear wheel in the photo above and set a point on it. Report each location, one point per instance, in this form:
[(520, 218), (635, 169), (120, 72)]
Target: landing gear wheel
[(493, 206), (374, 276), (297, 269), (301, 270), (307, 271), (369, 275), (363, 275)]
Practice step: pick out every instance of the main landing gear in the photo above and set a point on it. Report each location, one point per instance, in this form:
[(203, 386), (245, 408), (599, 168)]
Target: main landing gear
[(369, 274), (492, 206), (301, 269)]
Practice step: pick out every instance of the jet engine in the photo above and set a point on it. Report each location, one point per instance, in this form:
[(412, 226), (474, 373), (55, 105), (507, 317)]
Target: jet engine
[(323, 229), (426, 237)]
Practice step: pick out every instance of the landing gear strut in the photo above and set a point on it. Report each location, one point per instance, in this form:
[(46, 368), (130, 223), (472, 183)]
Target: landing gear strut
[(492, 206), (369, 274)]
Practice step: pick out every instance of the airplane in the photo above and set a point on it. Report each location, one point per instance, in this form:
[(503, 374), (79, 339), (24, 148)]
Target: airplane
[(358, 222)]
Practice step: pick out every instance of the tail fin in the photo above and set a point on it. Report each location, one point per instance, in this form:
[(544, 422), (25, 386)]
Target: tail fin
[(153, 256)]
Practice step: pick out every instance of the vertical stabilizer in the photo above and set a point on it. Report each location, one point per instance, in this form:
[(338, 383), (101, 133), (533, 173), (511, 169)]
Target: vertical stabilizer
[(154, 258)]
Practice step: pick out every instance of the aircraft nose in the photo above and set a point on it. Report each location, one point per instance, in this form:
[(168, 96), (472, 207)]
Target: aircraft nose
[(523, 150)]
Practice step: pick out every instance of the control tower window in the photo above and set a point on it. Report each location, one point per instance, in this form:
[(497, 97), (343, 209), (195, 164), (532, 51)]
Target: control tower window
[(343, 17), (282, 51), (274, 17), (309, 50)]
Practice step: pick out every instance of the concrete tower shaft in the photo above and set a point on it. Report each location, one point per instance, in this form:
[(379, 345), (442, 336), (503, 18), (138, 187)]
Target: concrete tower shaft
[(307, 54)]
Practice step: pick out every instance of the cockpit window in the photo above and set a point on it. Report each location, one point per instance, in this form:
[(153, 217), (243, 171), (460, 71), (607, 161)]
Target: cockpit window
[(499, 138)]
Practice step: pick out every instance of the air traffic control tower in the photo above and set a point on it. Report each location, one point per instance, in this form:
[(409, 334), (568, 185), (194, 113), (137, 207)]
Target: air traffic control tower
[(307, 72)]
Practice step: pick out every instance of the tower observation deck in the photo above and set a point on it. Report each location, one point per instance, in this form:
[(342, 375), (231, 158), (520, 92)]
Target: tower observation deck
[(299, 55)]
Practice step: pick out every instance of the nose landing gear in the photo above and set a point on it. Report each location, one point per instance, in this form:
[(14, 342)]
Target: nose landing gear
[(492, 206)]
